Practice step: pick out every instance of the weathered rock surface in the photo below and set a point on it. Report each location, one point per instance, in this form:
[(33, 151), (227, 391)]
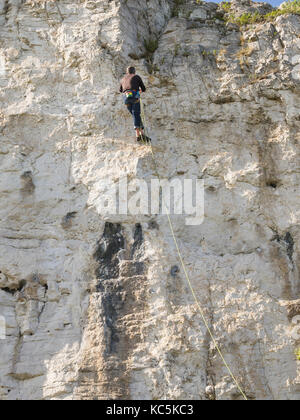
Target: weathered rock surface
[(98, 306)]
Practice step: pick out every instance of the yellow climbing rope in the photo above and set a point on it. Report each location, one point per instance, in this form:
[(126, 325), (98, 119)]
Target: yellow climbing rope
[(186, 272)]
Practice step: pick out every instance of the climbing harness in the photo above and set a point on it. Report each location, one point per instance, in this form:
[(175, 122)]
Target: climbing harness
[(131, 97), (186, 272)]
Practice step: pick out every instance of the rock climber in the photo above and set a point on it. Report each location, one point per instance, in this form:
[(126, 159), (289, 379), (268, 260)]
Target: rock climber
[(131, 85)]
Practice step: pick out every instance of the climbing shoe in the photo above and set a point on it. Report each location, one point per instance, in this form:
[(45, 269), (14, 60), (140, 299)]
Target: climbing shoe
[(145, 139)]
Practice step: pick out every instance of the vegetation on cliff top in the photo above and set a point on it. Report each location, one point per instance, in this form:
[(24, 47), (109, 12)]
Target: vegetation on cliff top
[(289, 7)]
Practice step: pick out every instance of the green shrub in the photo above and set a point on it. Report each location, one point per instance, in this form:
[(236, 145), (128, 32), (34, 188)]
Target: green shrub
[(297, 353), (290, 7), (246, 18), (151, 45), (226, 6), (186, 53), (176, 8)]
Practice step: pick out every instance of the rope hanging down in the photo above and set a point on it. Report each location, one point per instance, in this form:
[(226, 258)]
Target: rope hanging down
[(186, 272)]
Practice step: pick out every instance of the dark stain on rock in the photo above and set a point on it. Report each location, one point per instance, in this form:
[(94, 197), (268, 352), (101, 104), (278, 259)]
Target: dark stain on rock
[(111, 290), (28, 186), (112, 303), (138, 241), (288, 239), (153, 225), (272, 183), (174, 271), (282, 254), (5, 9), (211, 189), (14, 289), (120, 304), (67, 219), (107, 251), (138, 268)]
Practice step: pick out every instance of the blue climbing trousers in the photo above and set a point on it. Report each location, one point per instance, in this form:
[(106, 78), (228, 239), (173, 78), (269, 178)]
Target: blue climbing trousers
[(135, 111)]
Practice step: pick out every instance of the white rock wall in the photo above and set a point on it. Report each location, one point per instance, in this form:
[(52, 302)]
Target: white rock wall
[(91, 308)]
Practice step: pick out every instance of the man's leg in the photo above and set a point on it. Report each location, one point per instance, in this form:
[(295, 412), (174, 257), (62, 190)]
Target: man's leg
[(130, 109), (136, 112), (138, 123)]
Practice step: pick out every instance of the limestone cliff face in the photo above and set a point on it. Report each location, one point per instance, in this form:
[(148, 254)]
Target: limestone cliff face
[(93, 305)]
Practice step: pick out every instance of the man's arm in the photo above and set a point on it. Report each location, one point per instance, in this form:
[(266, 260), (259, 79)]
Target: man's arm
[(142, 86)]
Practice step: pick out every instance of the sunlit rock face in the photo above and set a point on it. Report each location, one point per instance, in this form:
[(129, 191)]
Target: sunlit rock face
[(96, 305)]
